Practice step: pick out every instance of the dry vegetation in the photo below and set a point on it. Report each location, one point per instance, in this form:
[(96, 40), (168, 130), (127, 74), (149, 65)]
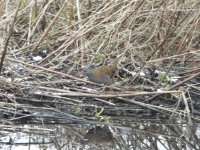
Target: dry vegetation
[(45, 44)]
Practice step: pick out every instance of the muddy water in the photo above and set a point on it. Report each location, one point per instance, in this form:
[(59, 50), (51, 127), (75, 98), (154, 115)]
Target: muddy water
[(125, 134)]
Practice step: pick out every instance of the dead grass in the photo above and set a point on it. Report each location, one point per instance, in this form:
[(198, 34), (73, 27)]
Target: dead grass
[(68, 35)]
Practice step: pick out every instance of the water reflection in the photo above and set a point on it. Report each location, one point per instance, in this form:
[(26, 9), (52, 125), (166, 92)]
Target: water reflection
[(98, 135), (134, 134)]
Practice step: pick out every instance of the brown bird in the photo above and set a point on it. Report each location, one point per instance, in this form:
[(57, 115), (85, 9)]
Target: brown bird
[(101, 75)]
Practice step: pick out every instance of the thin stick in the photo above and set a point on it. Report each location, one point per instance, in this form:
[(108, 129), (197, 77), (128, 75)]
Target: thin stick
[(8, 38)]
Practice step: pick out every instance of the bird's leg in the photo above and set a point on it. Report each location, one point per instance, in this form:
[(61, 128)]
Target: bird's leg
[(108, 86)]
